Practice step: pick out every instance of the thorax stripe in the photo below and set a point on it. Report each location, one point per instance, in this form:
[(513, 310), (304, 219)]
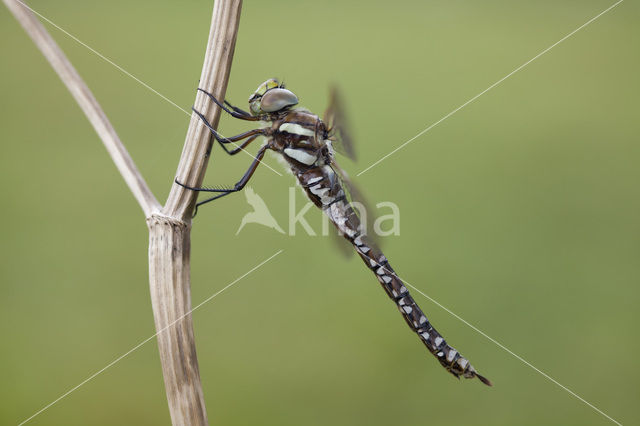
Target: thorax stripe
[(296, 129), (300, 155)]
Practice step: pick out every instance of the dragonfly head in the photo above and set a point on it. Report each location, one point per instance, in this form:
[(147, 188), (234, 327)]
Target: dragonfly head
[(271, 96)]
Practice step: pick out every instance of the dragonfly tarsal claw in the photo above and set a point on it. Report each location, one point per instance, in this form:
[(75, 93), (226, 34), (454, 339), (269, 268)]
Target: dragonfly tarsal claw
[(181, 184)]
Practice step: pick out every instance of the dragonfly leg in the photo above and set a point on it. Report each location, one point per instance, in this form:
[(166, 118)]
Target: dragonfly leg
[(240, 147), (233, 112), (239, 186), (236, 109), (251, 134)]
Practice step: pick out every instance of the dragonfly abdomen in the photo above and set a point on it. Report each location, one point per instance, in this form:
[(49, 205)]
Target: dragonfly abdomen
[(327, 193), (450, 358)]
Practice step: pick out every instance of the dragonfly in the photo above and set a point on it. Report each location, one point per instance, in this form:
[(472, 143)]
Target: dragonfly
[(308, 145)]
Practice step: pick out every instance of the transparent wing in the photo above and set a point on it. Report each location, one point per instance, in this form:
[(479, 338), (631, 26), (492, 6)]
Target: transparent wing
[(358, 202), (336, 119), (344, 247)]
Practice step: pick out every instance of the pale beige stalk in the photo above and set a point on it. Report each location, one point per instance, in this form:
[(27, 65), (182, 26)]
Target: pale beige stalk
[(169, 226), (169, 231)]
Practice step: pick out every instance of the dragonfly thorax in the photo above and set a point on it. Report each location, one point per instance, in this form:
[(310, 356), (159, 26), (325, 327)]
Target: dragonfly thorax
[(300, 136)]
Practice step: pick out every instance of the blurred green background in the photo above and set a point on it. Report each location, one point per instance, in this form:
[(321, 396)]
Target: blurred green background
[(520, 213)]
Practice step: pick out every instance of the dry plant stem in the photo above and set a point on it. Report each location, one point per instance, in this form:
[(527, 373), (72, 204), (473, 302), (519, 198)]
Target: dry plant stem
[(214, 78), (88, 104), (169, 231), (169, 227)]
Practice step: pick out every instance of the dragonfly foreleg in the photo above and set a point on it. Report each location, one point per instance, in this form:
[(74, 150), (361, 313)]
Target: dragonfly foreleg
[(236, 109), (251, 134), (239, 186), (233, 112)]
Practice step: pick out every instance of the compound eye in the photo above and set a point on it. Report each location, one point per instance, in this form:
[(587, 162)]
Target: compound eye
[(277, 99)]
